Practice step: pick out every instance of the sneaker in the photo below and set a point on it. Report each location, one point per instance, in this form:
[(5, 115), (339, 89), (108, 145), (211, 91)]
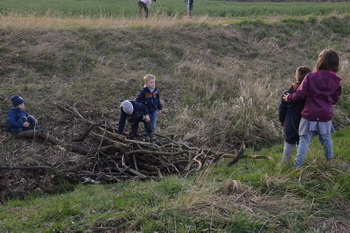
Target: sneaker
[(153, 139), (132, 136)]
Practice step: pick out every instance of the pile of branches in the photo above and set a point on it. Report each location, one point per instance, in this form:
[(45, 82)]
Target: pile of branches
[(109, 157), (114, 157)]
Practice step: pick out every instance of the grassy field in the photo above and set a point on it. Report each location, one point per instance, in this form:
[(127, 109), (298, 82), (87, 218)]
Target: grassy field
[(251, 196), (195, 64), (221, 81), (173, 8)]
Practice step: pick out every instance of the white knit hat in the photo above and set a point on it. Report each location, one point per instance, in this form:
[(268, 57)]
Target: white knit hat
[(127, 107)]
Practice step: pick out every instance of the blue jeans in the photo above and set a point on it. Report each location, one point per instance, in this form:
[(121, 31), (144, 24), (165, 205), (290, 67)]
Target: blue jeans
[(32, 125), (190, 5), (326, 142), (153, 123)]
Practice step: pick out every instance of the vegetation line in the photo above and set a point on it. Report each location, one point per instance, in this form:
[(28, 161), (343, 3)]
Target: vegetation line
[(49, 23)]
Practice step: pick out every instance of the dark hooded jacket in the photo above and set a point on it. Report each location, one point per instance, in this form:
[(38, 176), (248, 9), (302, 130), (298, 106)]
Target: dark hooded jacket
[(289, 114), (150, 98), (137, 115)]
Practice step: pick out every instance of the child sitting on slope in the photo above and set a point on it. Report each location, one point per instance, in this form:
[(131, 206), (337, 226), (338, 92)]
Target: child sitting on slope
[(18, 120)]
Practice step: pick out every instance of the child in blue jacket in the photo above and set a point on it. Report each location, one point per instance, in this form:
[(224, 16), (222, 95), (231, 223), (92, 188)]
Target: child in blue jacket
[(149, 96), (18, 120), (134, 113), (290, 115)]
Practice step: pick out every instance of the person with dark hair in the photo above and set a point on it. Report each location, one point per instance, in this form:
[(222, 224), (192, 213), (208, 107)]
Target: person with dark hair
[(290, 114), (144, 5), (320, 89), (19, 120)]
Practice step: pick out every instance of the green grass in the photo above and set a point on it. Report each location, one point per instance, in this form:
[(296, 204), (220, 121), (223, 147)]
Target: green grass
[(217, 77), (128, 9), (214, 77), (275, 196)]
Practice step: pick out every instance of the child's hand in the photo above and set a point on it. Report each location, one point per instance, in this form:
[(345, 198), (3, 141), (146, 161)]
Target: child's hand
[(36, 121), (25, 124), (285, 97), (147, 119), (160, 112)]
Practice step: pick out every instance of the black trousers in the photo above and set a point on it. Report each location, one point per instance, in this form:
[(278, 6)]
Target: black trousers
[(143, 6)]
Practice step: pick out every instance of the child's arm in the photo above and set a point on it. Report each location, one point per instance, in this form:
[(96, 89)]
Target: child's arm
[(159, 104), (282, 111), (141, 97), (11, 120), (145, 111), (336, 95)]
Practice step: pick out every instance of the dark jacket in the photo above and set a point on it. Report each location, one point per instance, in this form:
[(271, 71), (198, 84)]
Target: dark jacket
[(320, 90), (289, 114), (137, 115), (13, 115), (150, 98)]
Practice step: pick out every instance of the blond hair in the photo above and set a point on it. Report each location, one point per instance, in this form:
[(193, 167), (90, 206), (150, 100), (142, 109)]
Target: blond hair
[(148, 77)]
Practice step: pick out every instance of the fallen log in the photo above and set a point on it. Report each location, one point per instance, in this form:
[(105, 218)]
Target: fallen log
[(2, 168), (241, 155), (46, 137)]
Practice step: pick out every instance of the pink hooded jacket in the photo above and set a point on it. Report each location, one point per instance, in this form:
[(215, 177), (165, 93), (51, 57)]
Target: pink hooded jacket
[(320, 90)]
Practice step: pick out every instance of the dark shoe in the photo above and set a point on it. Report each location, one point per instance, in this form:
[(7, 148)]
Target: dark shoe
[(132, 136), (153, 139)]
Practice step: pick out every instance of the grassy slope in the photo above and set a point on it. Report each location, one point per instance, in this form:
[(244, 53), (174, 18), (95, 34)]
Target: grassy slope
[(238, 70), (251, 196), (195, 63)]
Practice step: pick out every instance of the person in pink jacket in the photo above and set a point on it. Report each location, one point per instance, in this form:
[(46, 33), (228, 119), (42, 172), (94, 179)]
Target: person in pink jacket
[(321, 90)]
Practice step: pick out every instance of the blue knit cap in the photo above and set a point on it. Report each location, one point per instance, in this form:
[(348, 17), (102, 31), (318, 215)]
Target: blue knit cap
[(16, 100)]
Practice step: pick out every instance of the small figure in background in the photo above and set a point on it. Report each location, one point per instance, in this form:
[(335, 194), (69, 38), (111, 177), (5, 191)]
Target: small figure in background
[(19, 120), (189, 7), (144, 5)]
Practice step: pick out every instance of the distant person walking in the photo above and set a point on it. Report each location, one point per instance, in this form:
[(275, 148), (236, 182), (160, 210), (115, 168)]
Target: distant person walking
[(189, 7), (289, 114), (320, 90), (144, 5)]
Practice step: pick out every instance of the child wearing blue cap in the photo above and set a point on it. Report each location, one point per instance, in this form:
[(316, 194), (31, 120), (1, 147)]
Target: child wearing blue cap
[(19, 120)]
